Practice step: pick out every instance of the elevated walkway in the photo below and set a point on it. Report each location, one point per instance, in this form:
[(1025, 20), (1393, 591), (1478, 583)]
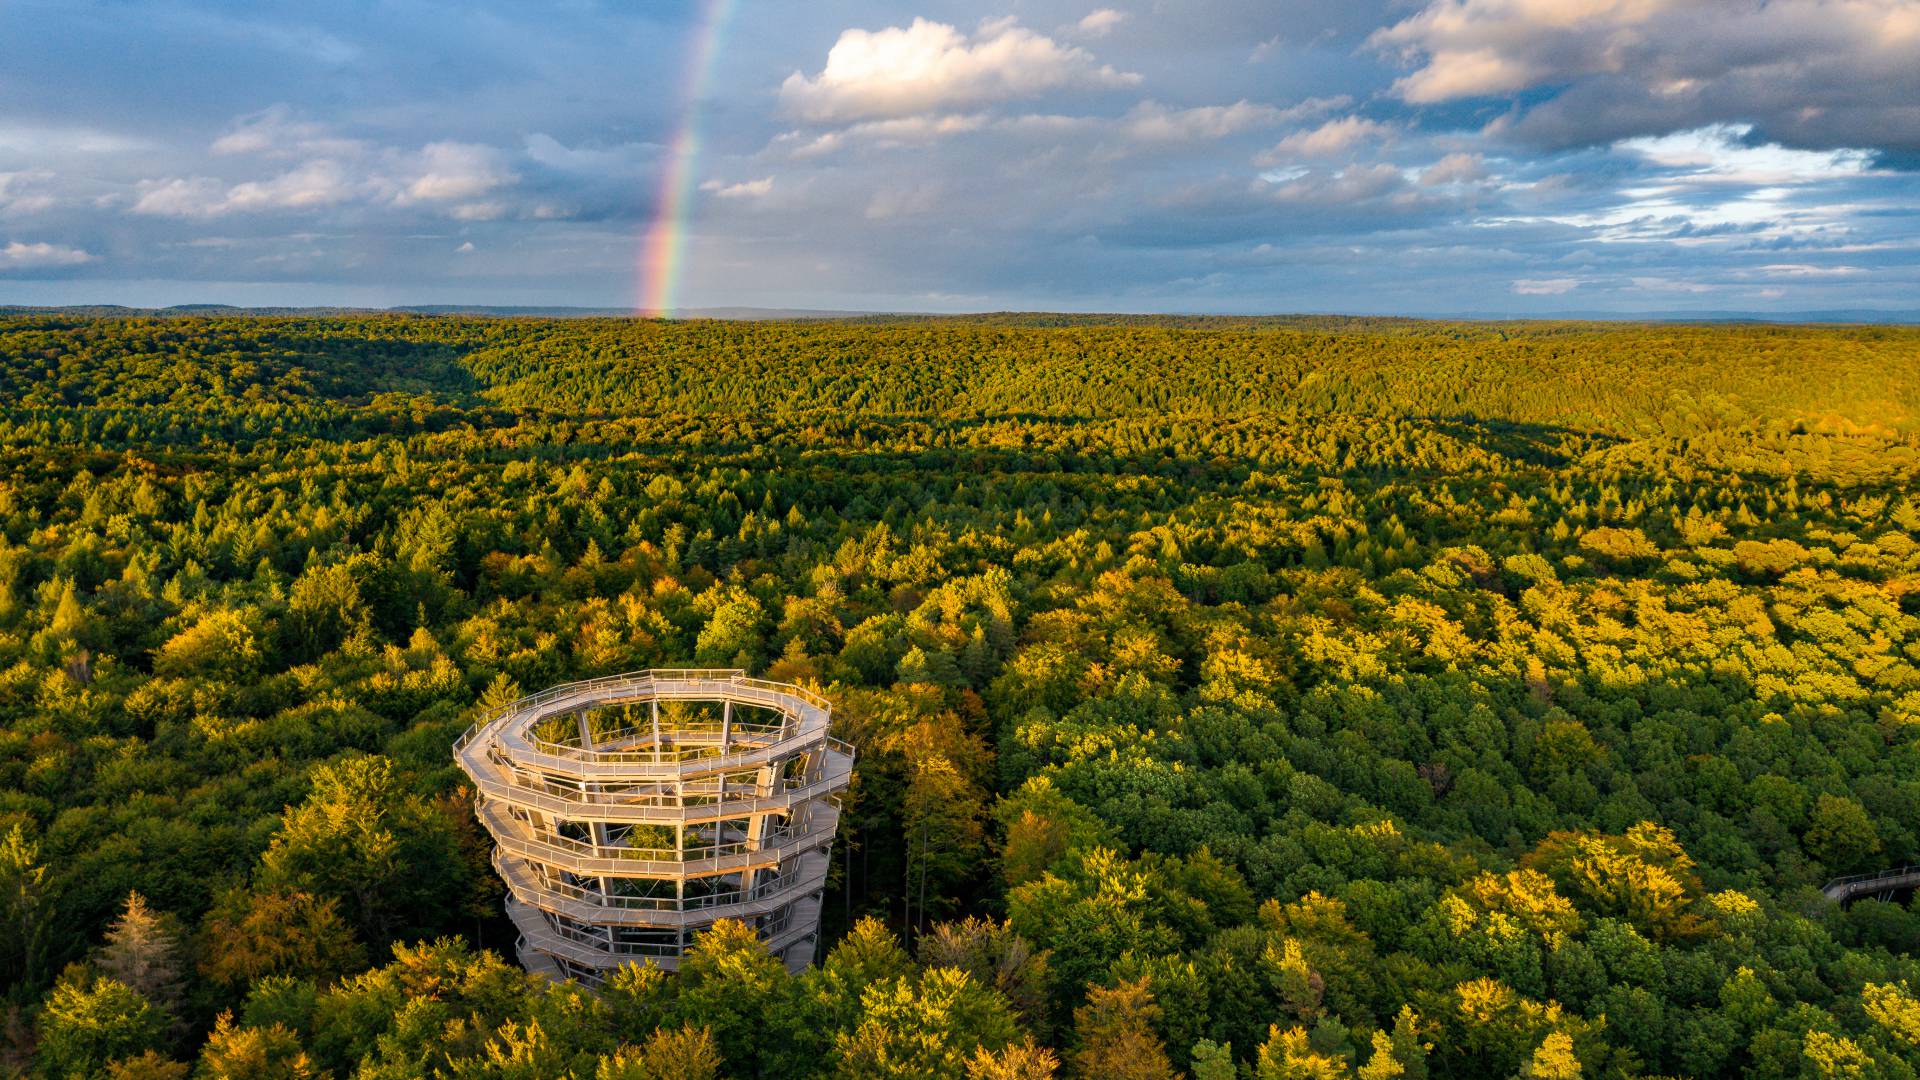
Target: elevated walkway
[(630, 813), (1884, 884)]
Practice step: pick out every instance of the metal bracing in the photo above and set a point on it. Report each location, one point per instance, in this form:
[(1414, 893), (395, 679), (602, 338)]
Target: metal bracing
[(621, 835)]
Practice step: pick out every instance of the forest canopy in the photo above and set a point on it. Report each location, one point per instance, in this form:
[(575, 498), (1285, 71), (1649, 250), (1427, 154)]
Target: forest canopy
[(1233, 698)]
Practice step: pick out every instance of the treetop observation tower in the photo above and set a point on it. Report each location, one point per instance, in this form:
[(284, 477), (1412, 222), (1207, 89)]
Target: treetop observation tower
[(631, 812)]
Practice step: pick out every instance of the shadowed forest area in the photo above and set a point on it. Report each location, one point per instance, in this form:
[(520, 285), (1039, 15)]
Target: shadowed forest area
[(1234, 698)]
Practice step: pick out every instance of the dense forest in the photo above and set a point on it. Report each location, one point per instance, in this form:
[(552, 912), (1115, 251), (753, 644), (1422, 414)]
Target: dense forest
[(1234, 699)]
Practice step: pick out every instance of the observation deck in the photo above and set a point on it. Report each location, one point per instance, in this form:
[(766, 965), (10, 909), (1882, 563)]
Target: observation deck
[(630, 813)]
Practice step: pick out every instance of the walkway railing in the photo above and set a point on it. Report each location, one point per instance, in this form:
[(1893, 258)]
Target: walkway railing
[(1854, 886), (659, 800)]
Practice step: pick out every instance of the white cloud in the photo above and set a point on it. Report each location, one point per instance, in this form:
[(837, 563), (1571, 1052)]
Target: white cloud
[(479, 211), (464, 249), (316, 183), (1559, 286), (1353, 184), (929, 67), (1155, 122), (1101, 22), (617, 160), (453, 171), (1806, 270), (23, 256), (1651, 283), (273, 132), (1811, 72), (1456, 168), (42, 142), (745, 189), (1314, 107), (1719, 154), (23, 193), (200, 196), (1335, 138), (905, 131)]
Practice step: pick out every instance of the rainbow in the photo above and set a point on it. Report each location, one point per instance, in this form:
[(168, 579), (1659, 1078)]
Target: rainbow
[(662, 253)]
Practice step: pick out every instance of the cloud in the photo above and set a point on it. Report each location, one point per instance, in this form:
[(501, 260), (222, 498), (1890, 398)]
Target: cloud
[(436, 174), (930, 67), (623, 159), (42, 141), (18, 255), (1810, 73), (309, 186), (451, 171), (1353, 184), (1455, 168), (914, 200), (1721, 154), (23, 193), (273, 132), (1101, 22), (200, 196), (1155, 122), (745, 189), (1559, 286), (1710, 188), (1335, 138), (314, 184), (905, 131), (1802, 270)]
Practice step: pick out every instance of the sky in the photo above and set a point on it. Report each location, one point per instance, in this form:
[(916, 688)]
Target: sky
[(1243, 156)]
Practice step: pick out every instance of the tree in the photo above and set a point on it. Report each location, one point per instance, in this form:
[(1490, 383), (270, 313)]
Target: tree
[(252, 1053), (222, 646), (943, 816), (26, 910), (685, 1053), (148, 1066), (390, 857), (1553, 1059), (323, 608), (142, 950), (869, 954), (730, 984), (1399, 1055), (1841, 834), (1289, 1055), (995, 956), (90, 1020), (1026, 1060), (1895, 1009), (923, 1029), (1213, 1061), (251, 935), (1115, 1036), (734, 633)]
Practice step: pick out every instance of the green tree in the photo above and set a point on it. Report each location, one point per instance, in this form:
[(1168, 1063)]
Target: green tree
[(1840, 834), (89, 1020), (390, 857), (925, 1029), (26, 910)]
